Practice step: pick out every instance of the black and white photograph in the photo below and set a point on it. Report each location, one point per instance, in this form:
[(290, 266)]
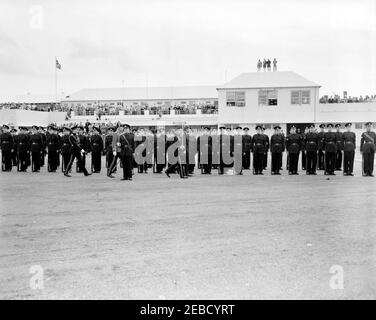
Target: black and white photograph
[(175, 150)]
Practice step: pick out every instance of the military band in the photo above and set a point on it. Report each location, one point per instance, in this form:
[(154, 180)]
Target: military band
[(328, 149)]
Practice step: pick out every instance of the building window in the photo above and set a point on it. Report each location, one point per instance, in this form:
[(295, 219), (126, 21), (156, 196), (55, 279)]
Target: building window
[(268, 97), (235, 98), (300, 97)]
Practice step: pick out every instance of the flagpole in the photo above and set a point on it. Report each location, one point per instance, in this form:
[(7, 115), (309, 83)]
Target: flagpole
[(55, 82)]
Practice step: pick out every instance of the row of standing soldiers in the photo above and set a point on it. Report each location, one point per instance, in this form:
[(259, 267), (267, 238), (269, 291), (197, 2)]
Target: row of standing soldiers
[(322, 150)]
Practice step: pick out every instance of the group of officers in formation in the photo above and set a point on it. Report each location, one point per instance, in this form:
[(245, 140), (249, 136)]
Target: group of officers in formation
[(178, 151)]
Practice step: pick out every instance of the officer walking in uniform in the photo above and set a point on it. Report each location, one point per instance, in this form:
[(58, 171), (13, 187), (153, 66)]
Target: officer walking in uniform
[(96, 148), (339, 147), (311, 144), (367, 148), (348, 144), (6, 145), (277, 146), (77, 152)]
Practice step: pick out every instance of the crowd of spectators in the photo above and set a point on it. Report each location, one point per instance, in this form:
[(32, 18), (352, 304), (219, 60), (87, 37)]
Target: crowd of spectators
[(338, 99)]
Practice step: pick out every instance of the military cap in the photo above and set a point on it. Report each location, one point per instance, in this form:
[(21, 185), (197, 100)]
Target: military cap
[(293, 127), (246, 129), (206, 128), (35, 127), (5, 126), (312, 126), (349, 124), (222, 127), (258, 127), (329, 125), (239, 127), (338, 125), (97, 129), (322, 126), (111, 128), (23, 128), (277, 127), (69, 129), (13, 130), (368, 124), (125, 125)]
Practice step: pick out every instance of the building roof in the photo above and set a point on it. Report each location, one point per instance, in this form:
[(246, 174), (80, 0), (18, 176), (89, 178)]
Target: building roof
[(30, 98), (151, 93), (278, 79)]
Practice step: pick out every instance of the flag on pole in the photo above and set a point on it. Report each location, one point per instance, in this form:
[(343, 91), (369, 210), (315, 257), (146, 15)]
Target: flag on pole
[(58, 65)]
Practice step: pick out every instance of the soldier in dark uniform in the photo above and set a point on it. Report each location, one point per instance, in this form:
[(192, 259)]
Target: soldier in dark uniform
[(77, 152), (247, 148), (259, 145), (293, 147), (222, 133), (330, 148), (348, 143), (304, 154), (14, 152), (367, 148), (116, 151), (36, 148), (179, 153), (204, 148), (53, 147), (277, 146), (140, 138), (265, 159), (311, 145), (108, 146), (159, 151), (83, 141), (127, 146), (191, 143), (42, 133), (23, 149), (65, 147), (237, 150), (339, 147), (7, 147), (320, 161), (96, 148)]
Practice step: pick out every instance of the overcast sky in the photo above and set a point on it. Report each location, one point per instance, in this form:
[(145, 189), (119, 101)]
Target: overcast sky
[(163, 42)]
